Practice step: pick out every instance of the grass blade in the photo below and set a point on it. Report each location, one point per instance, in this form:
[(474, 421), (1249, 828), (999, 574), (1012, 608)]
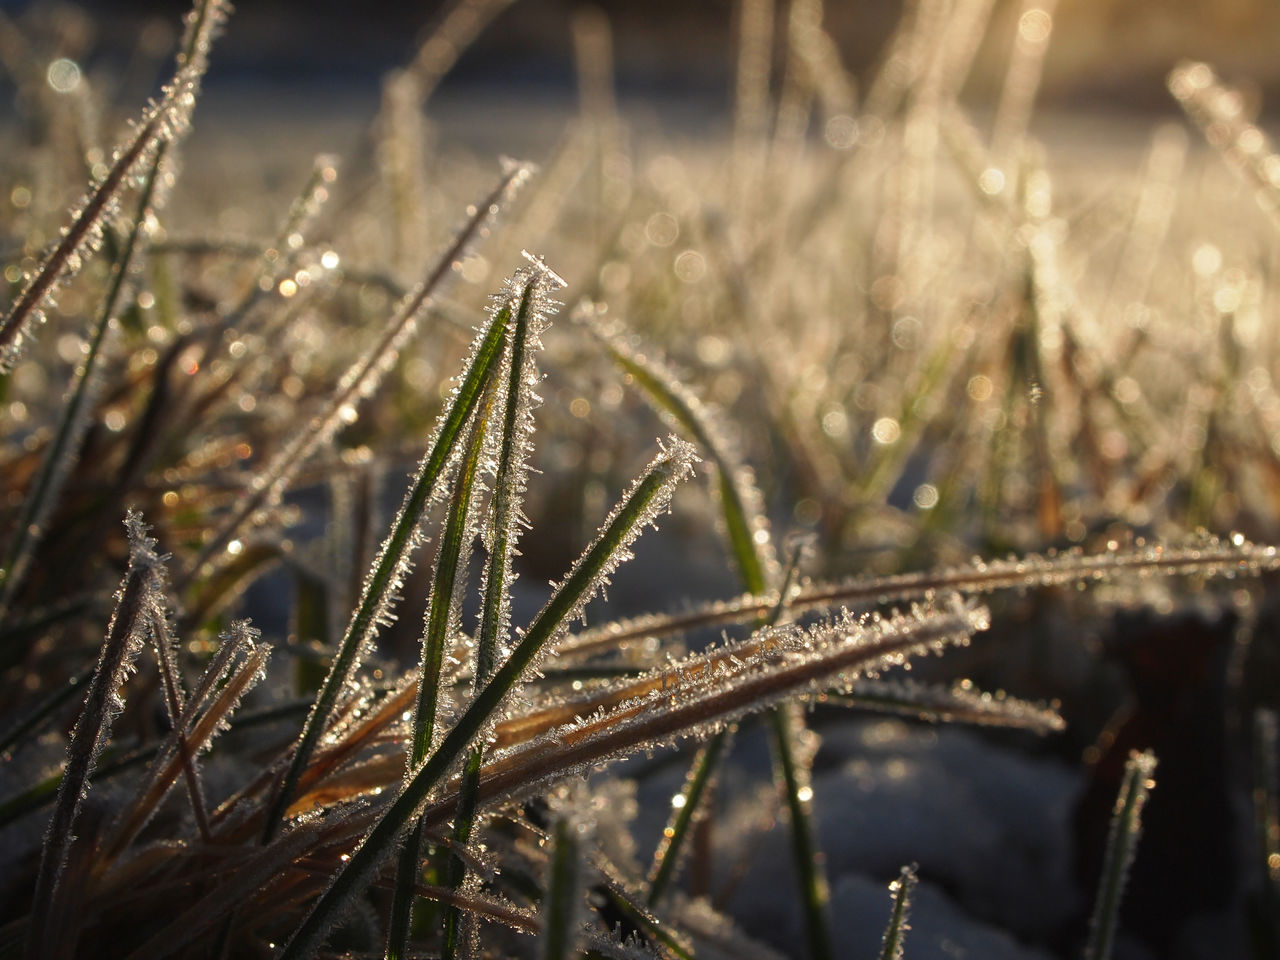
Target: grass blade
[(895, 933), (794, 746), (1205, 556), (741, 504), (441, 625), (565, 895), (960, 703), (511, 477), (1122, 844), (698, 782), (648, 496), (125, 637)]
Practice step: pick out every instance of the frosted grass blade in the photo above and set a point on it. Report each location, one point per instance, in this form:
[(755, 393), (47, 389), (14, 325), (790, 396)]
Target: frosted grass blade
[(960, 703), (441, 624), (74, 420), (1206, 556), (126, 636), (895, 933), (1122, 844), (510, 480), (698, 782), (741, 504), (750, 546)]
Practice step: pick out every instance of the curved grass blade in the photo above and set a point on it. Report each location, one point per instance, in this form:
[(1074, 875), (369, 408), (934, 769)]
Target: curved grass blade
[(1122, 844), (895, 933), (742, 507), (647, 497), (749, 544), (1206, 556), (389, 566), (960, 703), (125, 638)]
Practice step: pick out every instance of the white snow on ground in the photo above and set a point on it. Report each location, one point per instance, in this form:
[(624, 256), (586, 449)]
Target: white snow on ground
[(987, 825)]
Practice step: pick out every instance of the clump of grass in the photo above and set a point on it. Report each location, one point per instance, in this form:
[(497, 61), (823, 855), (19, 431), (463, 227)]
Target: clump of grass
[(376, 789)]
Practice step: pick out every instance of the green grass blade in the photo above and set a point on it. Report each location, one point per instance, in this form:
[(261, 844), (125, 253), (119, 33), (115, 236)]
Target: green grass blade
[(1122, 844), (441, 624), (792, 760), (647, 497), (511, 475), (748, 538), (388, 568), (697, 783), (895, 933), (740, 500), (564, 895)]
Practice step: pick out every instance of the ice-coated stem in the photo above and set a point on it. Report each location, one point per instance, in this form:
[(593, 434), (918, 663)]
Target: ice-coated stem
[(895, 933), (1122, 844)]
